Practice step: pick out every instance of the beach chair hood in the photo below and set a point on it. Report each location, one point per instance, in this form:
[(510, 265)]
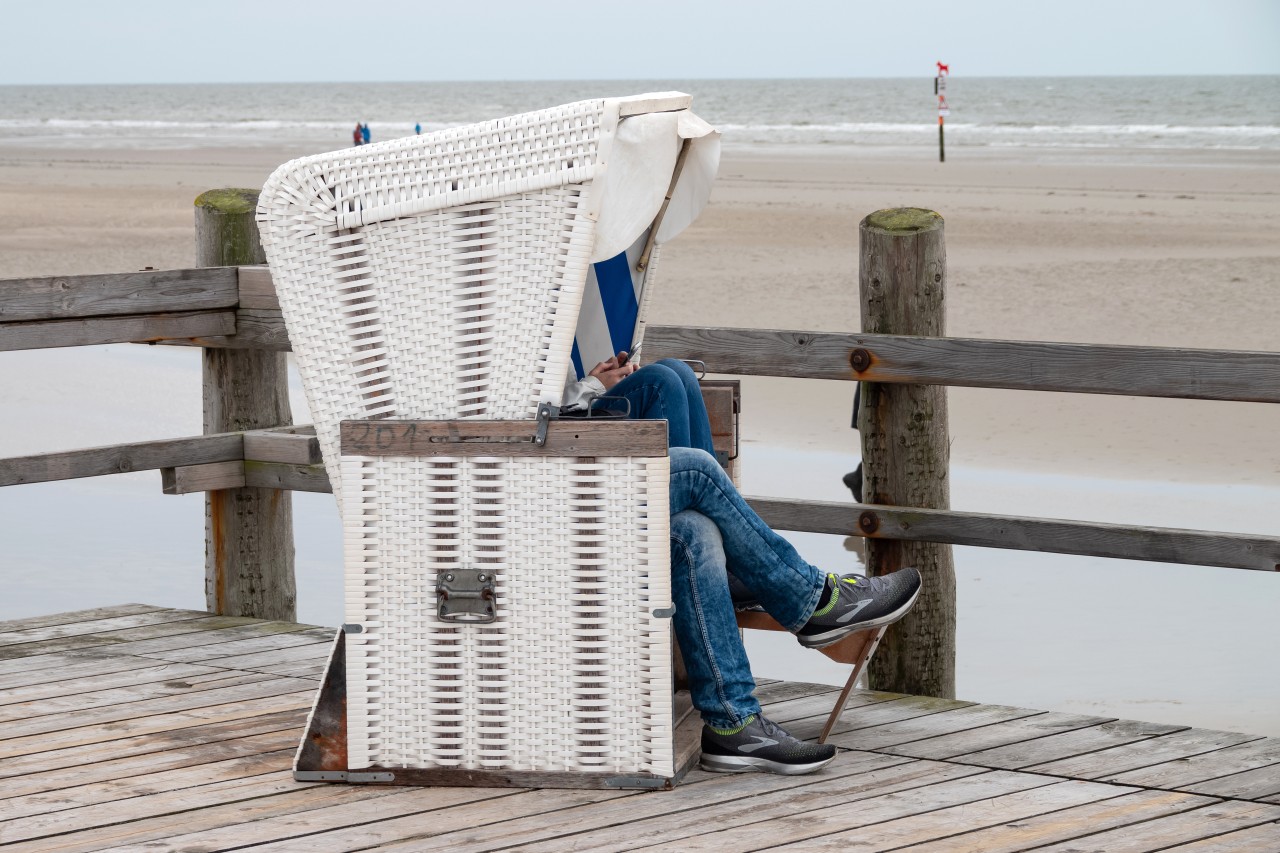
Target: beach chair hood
[(658, 176), (638, 176), (442, 275)]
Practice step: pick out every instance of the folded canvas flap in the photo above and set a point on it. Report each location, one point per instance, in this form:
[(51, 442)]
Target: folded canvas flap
[(693, 189), (638, 173)]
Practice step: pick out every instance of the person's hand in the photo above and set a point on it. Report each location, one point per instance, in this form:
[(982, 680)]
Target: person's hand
[(610, 372)]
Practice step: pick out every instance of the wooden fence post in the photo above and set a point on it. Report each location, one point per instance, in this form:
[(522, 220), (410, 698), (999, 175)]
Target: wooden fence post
[(906, 444), (248, 531)]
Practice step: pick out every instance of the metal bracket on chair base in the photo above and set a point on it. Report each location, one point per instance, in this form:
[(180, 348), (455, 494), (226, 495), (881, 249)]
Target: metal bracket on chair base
[(322, 754), (465, 595), (545, 413)]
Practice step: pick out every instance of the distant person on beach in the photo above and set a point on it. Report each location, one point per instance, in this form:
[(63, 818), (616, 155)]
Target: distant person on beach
[(718, 542), (417, 129), (364, 132), (356, 135)]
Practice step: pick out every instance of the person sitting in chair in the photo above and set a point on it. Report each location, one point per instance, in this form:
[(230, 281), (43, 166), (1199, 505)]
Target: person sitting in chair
[(715, 533)]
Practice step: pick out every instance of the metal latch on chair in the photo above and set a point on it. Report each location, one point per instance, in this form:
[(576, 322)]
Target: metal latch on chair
[(545, 411), (465, 596)]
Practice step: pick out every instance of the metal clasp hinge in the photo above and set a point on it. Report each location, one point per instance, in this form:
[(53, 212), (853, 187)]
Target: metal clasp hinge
[(465, 596), (544, 420)]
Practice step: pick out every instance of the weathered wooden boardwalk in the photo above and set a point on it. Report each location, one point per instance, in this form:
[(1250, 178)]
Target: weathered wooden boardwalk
[(144, 728)]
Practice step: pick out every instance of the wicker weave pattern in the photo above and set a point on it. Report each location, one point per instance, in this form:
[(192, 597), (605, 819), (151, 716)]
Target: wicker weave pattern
[(467, 312), (440, 277), (437, 276), (575, 673)]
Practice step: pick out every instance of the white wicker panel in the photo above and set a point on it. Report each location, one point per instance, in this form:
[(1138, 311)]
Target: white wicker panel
[(437, 276), (575, 674), (467, 312)]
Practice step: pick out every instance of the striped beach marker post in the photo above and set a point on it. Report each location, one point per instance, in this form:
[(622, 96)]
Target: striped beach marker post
[(940, 89)]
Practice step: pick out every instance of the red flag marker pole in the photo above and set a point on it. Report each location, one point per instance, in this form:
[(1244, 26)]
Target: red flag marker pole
[(940, 89)]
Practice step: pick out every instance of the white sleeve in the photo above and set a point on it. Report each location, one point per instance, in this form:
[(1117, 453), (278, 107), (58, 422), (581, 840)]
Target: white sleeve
[(579, 394)]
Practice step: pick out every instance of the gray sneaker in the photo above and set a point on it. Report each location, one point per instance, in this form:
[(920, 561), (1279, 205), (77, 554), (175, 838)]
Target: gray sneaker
[(762, 745), (856, 603)]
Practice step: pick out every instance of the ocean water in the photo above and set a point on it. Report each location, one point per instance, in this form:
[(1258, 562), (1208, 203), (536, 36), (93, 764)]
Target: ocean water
[(1043, 112)]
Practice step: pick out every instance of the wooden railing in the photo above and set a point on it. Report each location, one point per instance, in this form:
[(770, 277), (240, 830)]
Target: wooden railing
[(235, 308)]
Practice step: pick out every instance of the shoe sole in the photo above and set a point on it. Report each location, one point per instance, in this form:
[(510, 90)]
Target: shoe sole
[(743, 764), (821, 641)]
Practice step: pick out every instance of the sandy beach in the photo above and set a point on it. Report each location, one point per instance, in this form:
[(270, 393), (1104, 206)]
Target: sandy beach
[(1165, 248), (1172, 248)]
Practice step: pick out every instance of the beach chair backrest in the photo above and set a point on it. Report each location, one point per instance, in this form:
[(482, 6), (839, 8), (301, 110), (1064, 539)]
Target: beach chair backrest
[(441, 276)]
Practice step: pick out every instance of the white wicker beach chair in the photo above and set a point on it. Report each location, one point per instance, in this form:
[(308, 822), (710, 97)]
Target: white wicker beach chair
[(507, 600)]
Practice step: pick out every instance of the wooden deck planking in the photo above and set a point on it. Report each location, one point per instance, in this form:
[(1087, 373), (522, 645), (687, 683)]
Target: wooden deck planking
[(804, 822), (247, 686), (1204, 823), (113, 770), (1065, 745), (75, 616), (223, 648), (716, 802), (157, 643), (239, 709), (878, 714), (1251, 840), (416, 822), (964, 818), (1131, 756), (817, 704), (26, 636), (22, 713), (108, 651), (967, 718), (181, 740), (1260, 784), (129, 680), (177, 741), (1260, 758), (259, 763), (141, 640), (1065, 824), (202, 809), (1004, 733)]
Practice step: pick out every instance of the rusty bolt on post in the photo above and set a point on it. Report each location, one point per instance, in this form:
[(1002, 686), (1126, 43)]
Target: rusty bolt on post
[(868, 523), (860, 359)]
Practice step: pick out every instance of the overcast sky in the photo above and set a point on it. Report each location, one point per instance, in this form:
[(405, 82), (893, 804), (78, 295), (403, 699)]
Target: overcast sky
[(189, 41)]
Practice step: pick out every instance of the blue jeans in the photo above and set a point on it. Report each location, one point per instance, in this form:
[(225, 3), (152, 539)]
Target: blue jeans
[(665, 390), (714, 531)]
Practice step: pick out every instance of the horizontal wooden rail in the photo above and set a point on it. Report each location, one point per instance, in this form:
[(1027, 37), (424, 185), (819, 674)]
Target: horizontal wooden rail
[(289, 446), (1084, 538), (239, 473), (121, 458), (148, 292), (236, 307), (123, 329), (149, 306), (254, 329), (287, 476), (221, 307), (216, 461), (1028, 366), (1087, 368)]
